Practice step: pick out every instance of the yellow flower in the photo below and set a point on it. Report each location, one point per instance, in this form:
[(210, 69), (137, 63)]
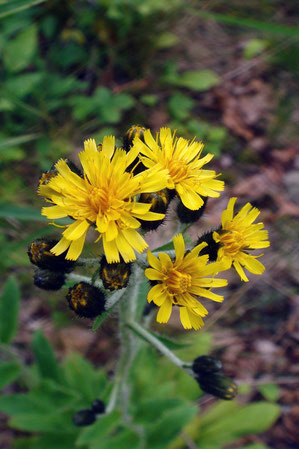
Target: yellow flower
[(181, 281), (182, 160), (105, 198), (238, 235)]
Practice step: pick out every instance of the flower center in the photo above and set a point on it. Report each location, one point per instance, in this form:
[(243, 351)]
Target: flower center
[(233, 242), (99, 199), (177, 170), (178, 282)]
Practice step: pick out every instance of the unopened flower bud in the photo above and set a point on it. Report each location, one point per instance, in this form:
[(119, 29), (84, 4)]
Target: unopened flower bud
[(114, 275), (98, 406), (48, 279), (134, 131), (217, 385), (84, 418), (186, 215), (39, 254), (86, 300), (159, 203), (212, 248), (206, 364), (50, 174)]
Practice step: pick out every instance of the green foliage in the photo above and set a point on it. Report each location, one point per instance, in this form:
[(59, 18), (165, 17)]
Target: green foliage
[(20, 51), (254, 47), (60, 390), (269, 391), (9, 372), (102, 427), (198, 80), (9, 310), (14, 6), (47, 365)]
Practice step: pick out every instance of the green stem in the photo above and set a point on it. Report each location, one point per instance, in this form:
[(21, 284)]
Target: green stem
[(127, 310), (81, 278), (150, 338)]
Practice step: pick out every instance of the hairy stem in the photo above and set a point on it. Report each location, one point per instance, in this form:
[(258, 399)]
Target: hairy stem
[(150, 338)]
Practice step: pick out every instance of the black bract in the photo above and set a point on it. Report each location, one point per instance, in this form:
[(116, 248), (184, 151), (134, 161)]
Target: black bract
[(39, 253), (48, 280), (84, 418), (86, 300)]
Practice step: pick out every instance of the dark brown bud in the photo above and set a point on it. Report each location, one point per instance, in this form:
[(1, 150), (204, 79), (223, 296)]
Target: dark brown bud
[(159, 203), (186, 215), (114, 275), (48, 280), (86, 300), (39, 254)]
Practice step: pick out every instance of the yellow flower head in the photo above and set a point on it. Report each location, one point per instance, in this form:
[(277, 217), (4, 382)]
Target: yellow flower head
[(181, 281), (238, 235), (104, 197), (182, 160)]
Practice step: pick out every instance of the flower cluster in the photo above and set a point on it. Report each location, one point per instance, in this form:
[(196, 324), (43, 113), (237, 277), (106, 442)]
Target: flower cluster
[(121, 193)]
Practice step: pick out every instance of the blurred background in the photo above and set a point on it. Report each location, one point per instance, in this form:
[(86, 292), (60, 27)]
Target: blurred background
[(226, 73)]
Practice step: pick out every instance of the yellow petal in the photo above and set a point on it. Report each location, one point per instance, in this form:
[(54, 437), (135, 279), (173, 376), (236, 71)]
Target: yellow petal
[(157, 295), (76, 248), (54, 212), (125, 248), (154, 275), (164, 311), (61, 246), (227, 214), (240, 271), (185, 319), (179, 246), (110, 250), (153, 261), (135, 239), (112, 231), (108, 146), (76, 230)]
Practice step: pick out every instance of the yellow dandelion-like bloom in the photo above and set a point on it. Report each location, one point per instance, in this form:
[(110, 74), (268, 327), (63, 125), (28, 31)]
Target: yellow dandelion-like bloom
[(238, 235), (181, 282), (182, 160), (104, 197)]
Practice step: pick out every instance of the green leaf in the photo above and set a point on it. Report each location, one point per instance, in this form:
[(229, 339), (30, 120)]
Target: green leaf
[(22, 84), (198, 80), (47, 441), (254, 446), (9, 310), (243, 22), (148, 410), (168, 246), (15, 6), (168, 426), (77, 368), (254, 47), (13, 141), (20, 212), (179, 105), (19, 52), (149, 99), (103, 426), (269, 391), (124, 440), (47, 365), (9, 372), (44, 422), (166, 40), (248, 420)]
